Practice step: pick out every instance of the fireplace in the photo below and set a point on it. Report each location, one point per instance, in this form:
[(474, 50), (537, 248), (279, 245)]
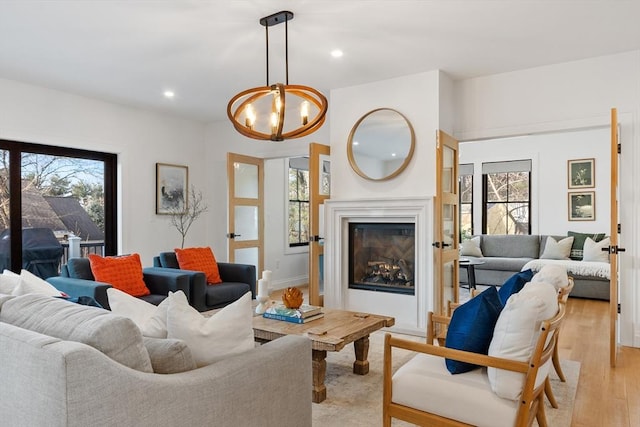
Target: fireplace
[(405, 218), (382, 257)]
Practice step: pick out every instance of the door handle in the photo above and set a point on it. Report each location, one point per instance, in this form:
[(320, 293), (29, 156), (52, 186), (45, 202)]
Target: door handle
[(233, 235), (613, 249)]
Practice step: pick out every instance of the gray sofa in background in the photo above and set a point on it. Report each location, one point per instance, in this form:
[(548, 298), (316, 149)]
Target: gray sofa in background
[(505, 255), (46, 380)]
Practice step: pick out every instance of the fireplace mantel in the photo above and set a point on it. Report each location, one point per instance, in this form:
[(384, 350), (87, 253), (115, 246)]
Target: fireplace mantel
[(410, 311)]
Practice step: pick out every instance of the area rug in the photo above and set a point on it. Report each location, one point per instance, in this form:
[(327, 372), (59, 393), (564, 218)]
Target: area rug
[(356, 400)]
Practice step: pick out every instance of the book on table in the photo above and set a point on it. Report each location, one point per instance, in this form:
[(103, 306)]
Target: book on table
[(292, 319), (305, 313)]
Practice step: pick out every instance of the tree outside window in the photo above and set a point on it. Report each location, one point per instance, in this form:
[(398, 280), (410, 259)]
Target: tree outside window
[(298, 224), (507, 203), (465, 189)]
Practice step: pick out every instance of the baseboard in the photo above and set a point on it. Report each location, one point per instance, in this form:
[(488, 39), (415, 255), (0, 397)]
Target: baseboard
[(292, 281)]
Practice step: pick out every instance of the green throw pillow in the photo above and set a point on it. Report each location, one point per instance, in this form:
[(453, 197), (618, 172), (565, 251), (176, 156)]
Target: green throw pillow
[(578, 243)]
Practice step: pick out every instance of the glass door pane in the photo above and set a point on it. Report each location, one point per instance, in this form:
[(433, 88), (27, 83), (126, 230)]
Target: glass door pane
[(5, 213), (62, 205)]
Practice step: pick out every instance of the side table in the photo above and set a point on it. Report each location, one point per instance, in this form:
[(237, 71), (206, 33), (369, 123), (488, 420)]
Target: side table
[(470, 265)]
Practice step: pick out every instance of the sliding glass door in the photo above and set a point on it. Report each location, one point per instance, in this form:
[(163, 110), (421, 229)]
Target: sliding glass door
[(53, 199)]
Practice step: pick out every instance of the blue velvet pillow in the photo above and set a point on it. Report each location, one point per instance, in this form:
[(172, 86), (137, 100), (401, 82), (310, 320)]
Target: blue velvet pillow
[(471, 327), (514, 284)]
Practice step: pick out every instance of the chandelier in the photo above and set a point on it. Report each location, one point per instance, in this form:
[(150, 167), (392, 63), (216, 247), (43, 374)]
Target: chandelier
[(277, 100)]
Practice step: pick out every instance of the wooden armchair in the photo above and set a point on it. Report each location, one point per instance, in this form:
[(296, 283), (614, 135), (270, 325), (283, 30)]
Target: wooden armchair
[(423, 392), (563, 297)]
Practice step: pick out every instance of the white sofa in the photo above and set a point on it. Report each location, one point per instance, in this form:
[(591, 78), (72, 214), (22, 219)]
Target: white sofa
[(53, 381)]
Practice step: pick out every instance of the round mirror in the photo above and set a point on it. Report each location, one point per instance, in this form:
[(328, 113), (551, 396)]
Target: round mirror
[(380, 144)]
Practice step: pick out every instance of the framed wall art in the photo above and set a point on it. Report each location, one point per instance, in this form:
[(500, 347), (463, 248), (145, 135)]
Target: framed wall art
[(582, 173), (172, 185), (582, 206)]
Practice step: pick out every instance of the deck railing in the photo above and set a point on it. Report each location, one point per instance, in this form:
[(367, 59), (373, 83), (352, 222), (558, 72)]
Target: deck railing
[(86, 248)]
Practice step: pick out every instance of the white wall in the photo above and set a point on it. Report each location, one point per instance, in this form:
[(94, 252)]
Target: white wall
[(549, 153), (140, 139), (565, 96), (416, 97)]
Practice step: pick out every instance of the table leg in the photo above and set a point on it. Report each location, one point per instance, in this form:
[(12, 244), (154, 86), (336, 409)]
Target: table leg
[(319, 365), (471, 272), (361, 347)]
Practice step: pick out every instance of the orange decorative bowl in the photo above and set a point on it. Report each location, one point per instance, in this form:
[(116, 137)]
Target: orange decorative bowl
[(292, 297)]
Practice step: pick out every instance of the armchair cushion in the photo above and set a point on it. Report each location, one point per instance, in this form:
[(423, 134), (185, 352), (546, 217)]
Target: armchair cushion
[(471, 327), (122, 272), (79, 268), (424, 383), (199, 259), (516, 333)]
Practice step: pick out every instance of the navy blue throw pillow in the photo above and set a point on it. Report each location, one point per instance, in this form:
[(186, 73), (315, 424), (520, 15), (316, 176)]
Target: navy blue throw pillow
[(514, 284), (471, 328)]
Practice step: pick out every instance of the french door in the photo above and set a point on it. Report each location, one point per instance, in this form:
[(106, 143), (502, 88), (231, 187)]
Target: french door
[(319, 191), (245, 177), (446, 222)]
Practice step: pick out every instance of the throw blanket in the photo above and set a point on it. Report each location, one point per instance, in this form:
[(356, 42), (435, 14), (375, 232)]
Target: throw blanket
[(575, 268)]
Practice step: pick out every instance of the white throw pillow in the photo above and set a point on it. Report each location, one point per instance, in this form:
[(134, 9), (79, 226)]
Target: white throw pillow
[(516, 333), (226, 333), (592, 251), (8, 282), (32, 284), (471, 247), (553, 274), (557, 250), (150, 319)]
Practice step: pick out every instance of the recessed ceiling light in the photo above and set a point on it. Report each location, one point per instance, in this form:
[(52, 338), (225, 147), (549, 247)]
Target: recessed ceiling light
[(169, 94), (393, 154), (356, 143), (337, 53)]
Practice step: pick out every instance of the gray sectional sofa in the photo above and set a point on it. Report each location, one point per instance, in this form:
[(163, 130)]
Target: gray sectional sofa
[(504, 255), (66, 365)]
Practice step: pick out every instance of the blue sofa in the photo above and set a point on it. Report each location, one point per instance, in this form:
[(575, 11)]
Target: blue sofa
[(77, 280), (237, 279)]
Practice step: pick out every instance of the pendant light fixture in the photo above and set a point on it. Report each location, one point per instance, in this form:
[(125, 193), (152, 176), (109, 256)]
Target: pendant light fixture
[(264, 112)]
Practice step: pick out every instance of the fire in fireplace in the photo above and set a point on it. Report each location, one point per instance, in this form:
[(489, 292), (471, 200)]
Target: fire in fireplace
[(382, 257)]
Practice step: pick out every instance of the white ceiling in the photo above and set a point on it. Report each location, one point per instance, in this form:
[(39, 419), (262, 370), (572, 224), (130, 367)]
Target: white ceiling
[(129, 52)]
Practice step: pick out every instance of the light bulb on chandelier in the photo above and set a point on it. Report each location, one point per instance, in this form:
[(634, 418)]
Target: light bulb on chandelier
[(244, 105)]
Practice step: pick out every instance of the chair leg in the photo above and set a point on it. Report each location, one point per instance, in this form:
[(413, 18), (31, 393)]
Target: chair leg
[(540, 415), (556, 364), (386, 419), (549, 392)]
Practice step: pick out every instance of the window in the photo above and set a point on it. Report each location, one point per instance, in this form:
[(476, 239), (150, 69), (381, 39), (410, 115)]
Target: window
[(465, 189), (506, 197), (56, 192), (298, 224)]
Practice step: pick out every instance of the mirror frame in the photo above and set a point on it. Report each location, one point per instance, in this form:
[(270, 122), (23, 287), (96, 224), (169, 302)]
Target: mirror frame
[(401, 168)]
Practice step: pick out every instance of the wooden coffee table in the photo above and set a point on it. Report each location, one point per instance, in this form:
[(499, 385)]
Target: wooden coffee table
[(331, 333)]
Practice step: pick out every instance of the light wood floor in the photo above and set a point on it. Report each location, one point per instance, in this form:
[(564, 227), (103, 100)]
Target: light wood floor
[(606, 396)]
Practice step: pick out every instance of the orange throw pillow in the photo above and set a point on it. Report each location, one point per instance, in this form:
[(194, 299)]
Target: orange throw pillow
[(199, 259), (122, 272)]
